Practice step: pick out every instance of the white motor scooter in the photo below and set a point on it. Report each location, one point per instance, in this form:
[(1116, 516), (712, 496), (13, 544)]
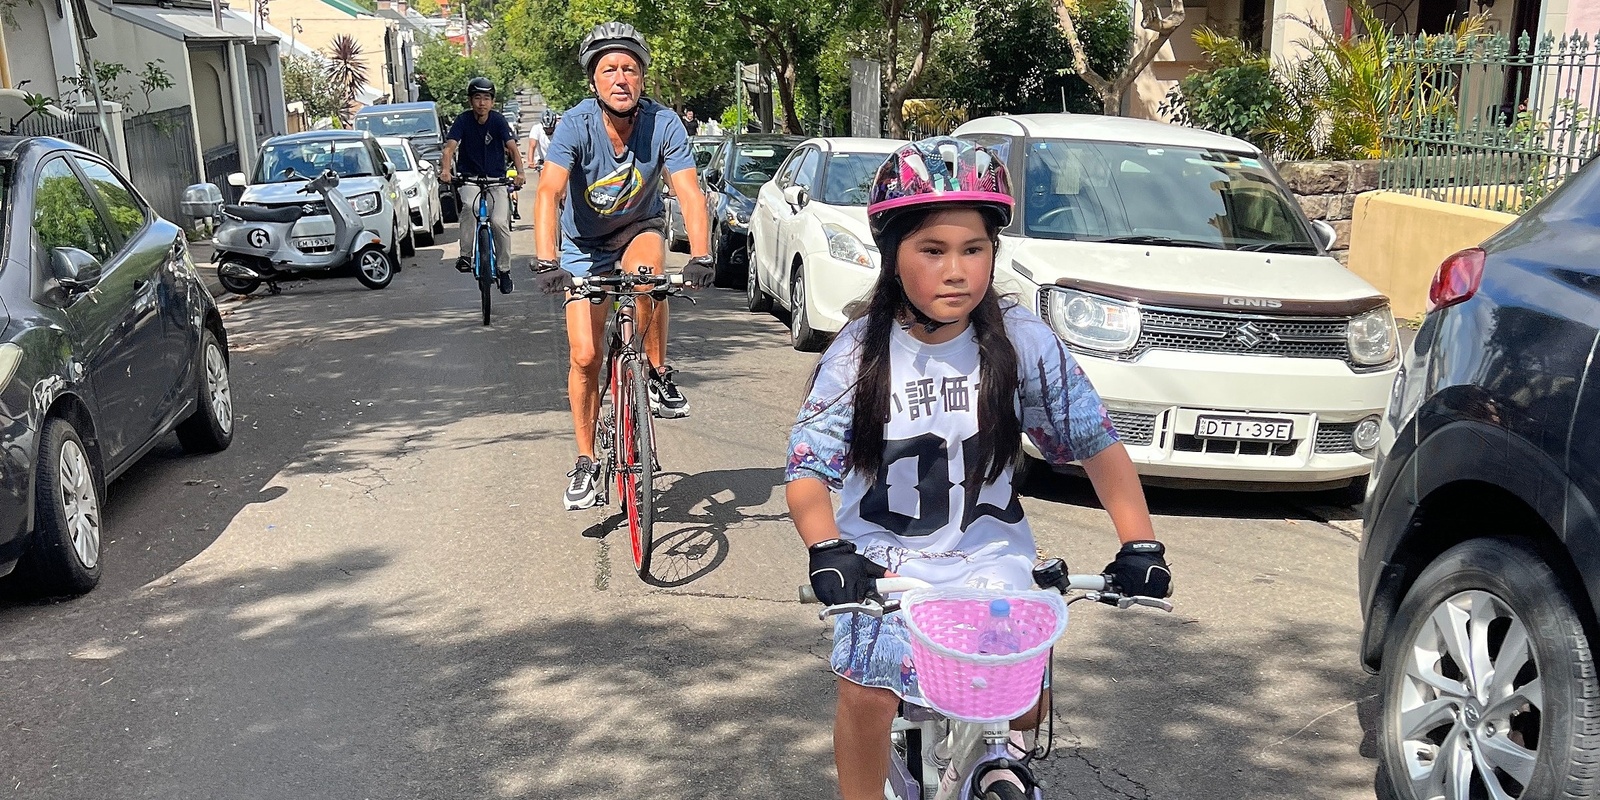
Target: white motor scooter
[(256, 245)]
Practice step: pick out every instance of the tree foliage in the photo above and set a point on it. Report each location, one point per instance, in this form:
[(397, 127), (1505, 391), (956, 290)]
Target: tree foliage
[(305, 80)]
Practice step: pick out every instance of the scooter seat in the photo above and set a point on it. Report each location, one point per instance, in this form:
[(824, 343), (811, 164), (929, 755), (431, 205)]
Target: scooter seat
[(259, 214)]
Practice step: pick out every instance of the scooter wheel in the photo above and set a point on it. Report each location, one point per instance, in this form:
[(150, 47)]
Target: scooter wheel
[(240, 286), (373, 268)]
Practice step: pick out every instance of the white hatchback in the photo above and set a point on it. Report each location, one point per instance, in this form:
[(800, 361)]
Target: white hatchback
[(419, 184), (1178, 268), (810, 247)]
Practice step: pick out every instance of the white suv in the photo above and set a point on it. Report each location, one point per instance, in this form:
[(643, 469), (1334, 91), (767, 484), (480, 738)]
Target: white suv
[(1177, 266)]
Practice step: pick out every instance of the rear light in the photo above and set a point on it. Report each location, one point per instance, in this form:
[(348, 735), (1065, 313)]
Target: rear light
[(1457, 279)]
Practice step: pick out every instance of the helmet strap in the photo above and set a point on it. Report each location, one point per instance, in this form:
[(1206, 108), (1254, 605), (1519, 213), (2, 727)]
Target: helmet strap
[(929, 324)]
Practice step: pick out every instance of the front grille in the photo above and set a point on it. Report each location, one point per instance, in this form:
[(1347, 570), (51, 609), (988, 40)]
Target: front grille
[(1187, 331), (1337, 437), (1195, 444), (1135, 430)]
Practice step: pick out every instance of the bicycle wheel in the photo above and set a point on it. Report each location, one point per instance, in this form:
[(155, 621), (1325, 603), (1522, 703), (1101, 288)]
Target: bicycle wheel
[(485, 268), (636, 445)]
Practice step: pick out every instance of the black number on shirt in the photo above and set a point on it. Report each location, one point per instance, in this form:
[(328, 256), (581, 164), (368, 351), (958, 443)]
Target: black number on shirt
[(933, 483)]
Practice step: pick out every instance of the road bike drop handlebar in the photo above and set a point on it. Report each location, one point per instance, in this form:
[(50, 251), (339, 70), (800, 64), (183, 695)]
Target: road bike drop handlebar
[(1049, 574)]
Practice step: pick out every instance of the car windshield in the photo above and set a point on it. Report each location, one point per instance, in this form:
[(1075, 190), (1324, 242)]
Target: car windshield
[(755, 164), (1173, 196), (299, 161), (398, 123), (848, 177), (397, 154), (702, 153)]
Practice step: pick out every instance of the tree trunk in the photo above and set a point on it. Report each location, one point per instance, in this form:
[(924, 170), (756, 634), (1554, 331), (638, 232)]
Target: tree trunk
[(891, 69), (787, 75), (899, 93), (1110, 92)]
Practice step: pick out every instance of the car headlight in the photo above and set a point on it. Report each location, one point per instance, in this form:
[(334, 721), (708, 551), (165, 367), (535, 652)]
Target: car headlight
[(1092, 322), (1373, 337), (846, 246), (365, 203), (10, 357), (738, 216), (411, 191)]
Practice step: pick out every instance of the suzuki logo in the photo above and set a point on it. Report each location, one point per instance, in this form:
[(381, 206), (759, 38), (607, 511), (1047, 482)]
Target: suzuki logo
[(1250, 336), (1252, 302), (308, 208)]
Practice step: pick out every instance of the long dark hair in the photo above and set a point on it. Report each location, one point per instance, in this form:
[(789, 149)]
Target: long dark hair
[(999, 431)]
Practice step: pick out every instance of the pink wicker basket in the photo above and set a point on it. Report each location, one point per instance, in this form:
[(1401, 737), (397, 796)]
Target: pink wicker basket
[(963, 684)]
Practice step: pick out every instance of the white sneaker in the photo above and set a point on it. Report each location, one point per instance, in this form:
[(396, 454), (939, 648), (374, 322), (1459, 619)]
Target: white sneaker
[(584, 489)]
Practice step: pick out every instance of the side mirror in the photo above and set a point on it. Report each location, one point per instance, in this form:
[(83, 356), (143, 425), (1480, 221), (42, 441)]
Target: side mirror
[(1324, 232), (200, 201), (74, 269), (388, 170), (237, 179), (796, 197)]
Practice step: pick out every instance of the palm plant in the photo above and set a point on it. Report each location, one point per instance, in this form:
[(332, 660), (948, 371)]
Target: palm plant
[(347, 70)]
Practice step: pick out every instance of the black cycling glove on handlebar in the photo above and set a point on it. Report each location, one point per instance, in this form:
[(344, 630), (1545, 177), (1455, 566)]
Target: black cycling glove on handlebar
[(550, 277), (700, 272), (839, 574), (1140, 570)]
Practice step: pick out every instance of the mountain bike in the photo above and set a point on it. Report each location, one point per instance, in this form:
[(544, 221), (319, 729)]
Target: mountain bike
[(959, 746), (625, 437), (483, 268)]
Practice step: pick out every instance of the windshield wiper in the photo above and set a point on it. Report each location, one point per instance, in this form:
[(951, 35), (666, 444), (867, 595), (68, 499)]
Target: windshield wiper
[(357, 175), (1163, 241), (1279, 247)]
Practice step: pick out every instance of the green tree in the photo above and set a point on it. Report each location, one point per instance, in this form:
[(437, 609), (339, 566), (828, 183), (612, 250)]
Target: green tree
[(347, 69), (305, 80), (1157, 21)]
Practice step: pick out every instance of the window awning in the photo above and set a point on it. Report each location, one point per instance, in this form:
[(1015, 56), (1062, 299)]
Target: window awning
[(191, 24)]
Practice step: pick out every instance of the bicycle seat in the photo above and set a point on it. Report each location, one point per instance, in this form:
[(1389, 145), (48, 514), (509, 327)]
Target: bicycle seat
[(259, 214)]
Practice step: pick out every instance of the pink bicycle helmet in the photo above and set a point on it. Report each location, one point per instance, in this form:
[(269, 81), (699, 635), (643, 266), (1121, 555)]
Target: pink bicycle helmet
[(939, 170)]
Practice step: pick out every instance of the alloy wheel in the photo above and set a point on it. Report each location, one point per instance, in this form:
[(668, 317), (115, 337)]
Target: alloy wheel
[(80, 503), (218, 388)]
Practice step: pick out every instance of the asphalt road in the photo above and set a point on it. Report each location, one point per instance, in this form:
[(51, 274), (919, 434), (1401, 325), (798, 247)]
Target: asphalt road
[(375, 594)]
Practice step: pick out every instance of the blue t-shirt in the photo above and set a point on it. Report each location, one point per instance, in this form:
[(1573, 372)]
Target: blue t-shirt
[(482, 152), (608, 192)]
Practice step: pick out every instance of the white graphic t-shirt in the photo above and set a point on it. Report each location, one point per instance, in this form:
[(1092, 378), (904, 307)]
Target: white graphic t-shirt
[(921, 516)]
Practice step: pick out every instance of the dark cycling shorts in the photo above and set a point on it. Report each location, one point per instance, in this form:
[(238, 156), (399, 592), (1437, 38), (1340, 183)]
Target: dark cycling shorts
[(584, 262)]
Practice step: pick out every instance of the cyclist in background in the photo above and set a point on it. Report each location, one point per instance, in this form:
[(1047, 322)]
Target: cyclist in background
[(539, 140), (480, 145), (611, 157), (939, 373)]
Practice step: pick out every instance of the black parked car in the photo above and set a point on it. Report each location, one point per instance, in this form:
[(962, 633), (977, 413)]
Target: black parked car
[(731, 180), (1480, 561), (110, 342)]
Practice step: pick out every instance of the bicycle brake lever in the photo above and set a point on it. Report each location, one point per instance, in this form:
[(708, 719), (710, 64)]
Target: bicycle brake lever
[(870, 609), (1153, 602)]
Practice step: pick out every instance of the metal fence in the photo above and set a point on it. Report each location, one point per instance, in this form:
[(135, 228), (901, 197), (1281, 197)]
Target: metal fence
[(1489, 122), (78, 128), (161, 157)]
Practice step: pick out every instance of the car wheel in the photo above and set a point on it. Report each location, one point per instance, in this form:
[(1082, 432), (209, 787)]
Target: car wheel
[(210, 428), (801, 336), (64, 558), (452, 214), (725, 278), (1488, 683), (755, 300), (374, 269), (408, 244)]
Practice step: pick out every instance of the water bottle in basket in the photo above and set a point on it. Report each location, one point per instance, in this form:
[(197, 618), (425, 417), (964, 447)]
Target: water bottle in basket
[(997, 635)]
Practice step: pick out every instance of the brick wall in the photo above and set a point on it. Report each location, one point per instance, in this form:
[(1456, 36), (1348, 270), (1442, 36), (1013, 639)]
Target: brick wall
[(1327, 190)]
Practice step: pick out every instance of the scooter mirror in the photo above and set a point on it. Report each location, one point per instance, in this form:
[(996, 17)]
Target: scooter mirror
[(237, 179), (76, 270)]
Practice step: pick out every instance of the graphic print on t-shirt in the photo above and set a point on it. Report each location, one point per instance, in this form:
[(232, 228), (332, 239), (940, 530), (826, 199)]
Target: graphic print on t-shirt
[(617, 191)]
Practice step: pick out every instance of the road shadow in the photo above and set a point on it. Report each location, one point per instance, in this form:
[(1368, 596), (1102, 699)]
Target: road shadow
[(320, 678), (693, 514), (1196, 500)]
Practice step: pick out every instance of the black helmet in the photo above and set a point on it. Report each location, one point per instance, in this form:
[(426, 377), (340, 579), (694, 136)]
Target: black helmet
[(608, 36), (480, 85), (548, 118)]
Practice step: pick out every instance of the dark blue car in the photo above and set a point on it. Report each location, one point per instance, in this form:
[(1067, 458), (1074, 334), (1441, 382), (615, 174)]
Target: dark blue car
[(110, 342), (1480, 559)]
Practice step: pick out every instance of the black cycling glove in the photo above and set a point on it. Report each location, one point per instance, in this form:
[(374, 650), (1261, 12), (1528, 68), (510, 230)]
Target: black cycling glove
[(1140, 570), (839, 574), (699, 272), (551, 278)]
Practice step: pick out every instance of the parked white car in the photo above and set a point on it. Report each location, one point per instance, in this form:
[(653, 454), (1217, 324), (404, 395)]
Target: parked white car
[(1177, 266), (419, 185), (366, 179), (811, 249)]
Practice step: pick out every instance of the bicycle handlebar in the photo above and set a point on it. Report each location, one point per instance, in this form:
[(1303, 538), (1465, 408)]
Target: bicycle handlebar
[(479, 181), (1094, 587)]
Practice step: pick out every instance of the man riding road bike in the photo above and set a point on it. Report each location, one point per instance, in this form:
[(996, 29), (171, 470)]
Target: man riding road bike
[(611, 155), (481, 145), (539, 140)]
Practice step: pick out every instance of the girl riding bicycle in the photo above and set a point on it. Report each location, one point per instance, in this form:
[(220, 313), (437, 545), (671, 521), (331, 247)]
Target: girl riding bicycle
[(916, 415)]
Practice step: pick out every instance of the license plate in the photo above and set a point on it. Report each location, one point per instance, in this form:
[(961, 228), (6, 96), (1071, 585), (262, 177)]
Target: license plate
[(313, 242), (1256, 429)]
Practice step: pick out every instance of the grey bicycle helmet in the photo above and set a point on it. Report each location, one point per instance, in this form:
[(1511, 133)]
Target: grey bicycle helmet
[(548, 119), (480, 85), (609, 36)]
